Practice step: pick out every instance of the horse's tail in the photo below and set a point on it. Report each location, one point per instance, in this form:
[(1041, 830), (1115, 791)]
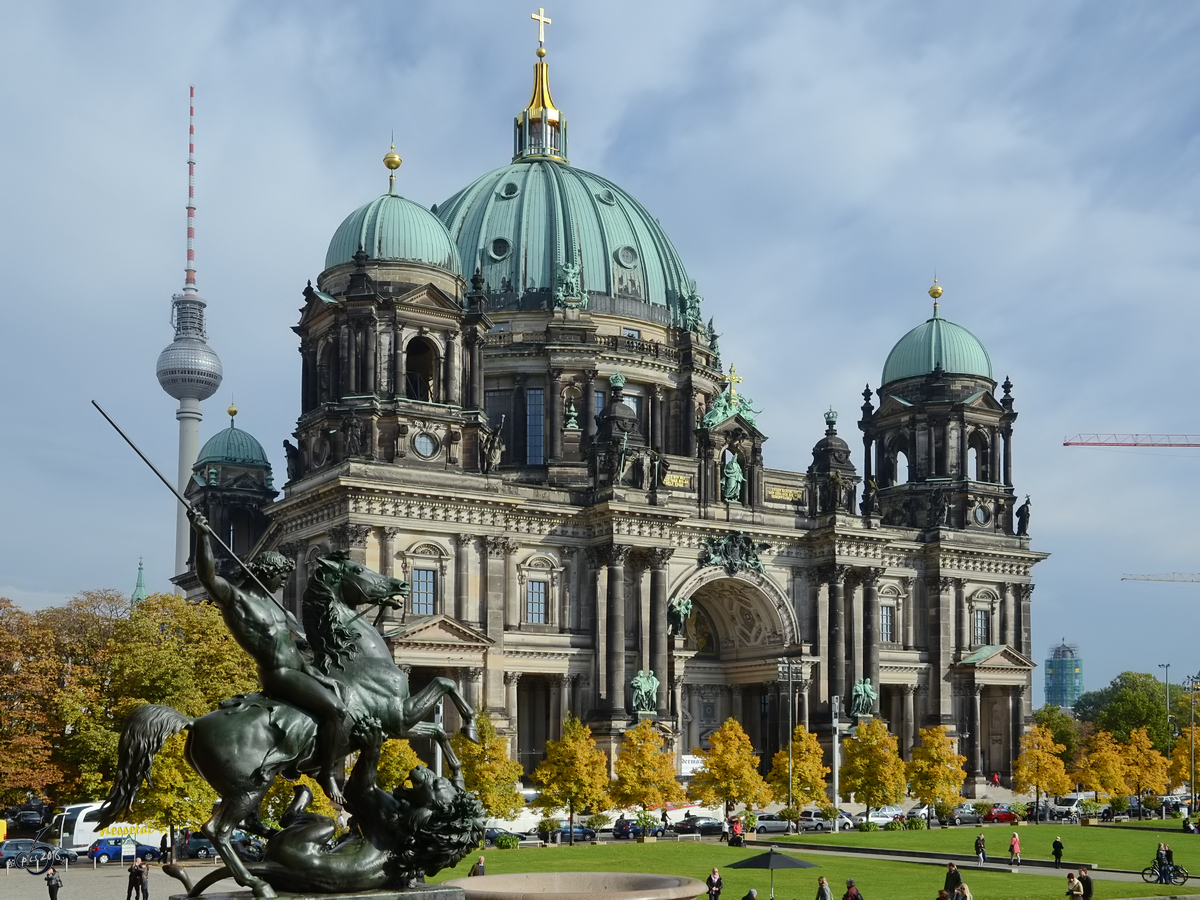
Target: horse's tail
[(146, 729)]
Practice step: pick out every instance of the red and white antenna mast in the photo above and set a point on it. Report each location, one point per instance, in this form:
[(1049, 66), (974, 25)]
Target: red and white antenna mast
[(189, 280)]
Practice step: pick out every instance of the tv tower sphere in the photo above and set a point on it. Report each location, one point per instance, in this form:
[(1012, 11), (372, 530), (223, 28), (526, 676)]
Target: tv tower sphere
[(188, 368)]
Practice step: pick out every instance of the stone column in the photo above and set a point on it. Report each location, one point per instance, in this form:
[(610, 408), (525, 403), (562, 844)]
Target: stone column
[(976, 729), (964, 456), (659, 557), (962, 621), (512, 590), (476, 370), (370, 339), (558, 702), (657, 418), (735, 702), (908, 730), (1024, 594), (462, 578), (564, 701), (802, 688), (583, 697), (677, 694), (387, 551), (910, 612), (941, 648), (589, 404), (869, 577), (615, 626), (510, 709), (453, 392), (1007, 432), (400, 364), (555, 388), (473, 678), (837, 630), (1017, 721), (1007, 619)]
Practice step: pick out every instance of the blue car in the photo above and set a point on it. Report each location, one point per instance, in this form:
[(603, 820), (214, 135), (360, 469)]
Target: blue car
[(627, 828), (106, 849)]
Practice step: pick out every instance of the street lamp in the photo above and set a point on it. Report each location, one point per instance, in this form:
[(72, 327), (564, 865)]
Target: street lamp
[(1167, 702)]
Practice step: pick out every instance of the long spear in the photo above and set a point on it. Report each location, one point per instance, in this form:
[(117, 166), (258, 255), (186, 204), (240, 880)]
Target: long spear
[(292, 624)]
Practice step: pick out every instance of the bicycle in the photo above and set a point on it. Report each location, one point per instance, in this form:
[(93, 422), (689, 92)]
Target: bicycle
[(1179, 875)]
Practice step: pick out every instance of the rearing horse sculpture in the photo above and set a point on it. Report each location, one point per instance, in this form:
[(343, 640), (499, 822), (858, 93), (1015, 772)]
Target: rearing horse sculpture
[(241, 747)]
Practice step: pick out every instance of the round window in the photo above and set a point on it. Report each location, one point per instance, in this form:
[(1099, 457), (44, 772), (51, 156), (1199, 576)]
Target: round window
[(499, 248), (627, 256), (607, 196), (982, 516), (509, 190), (425, 444)]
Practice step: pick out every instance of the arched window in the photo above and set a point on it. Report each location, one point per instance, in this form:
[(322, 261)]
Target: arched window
[(977, 462), (420, 370)]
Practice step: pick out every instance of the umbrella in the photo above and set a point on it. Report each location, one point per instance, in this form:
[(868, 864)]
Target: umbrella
[(772, 860)]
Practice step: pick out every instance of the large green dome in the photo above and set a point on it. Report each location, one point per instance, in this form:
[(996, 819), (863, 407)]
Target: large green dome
[(935, 342), (526, 222), (391, 227), (233, 447)]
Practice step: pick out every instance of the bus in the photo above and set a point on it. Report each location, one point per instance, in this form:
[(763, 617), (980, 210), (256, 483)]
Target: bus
[(74, 828)]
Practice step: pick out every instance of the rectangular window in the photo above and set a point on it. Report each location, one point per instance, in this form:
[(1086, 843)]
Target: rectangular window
[(535, 426), (423, 592), (536, 607), (598, 400), (635, 403), (982, 619), (887, 624), (631, 333), (497, 405)]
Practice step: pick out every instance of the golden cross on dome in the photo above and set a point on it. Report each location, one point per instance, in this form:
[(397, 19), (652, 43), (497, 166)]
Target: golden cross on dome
[(542, 20), (734, 379)]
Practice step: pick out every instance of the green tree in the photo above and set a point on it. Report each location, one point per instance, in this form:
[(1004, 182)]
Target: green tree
[(645, 775), (1132, 700), (871, 767), (1102, 766), (936, 774), (1146, 769), (808, 774), (1040, 767), (728, 771), (488, 771), (1065, 729), (574, 773)]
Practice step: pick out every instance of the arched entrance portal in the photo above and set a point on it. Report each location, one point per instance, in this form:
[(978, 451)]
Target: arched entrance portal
[(740, 631)]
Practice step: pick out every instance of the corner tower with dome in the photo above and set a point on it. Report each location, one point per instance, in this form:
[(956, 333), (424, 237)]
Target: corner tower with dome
[(513, 401)]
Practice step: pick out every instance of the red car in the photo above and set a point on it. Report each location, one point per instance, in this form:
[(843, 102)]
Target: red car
[(1001, 813)]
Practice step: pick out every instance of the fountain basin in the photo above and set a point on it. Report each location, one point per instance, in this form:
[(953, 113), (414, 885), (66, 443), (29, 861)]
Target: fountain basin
[(579, 886)]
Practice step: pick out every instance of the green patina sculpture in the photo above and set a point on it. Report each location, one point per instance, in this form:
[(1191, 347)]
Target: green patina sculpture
[(732, 479), (678, 611), (572, 422), (729, 403), (690, 311), (734, 552), (311, 713), (862, 698), (644, 688), (568, 291)]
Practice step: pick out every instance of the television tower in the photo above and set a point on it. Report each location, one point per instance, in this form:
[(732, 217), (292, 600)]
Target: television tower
[(188, 369)]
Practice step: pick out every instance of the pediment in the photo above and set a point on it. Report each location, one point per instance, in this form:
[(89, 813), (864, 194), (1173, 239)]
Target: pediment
[(737, 423), (891, 405), (997, 656), (316, 304), (430, 297), (439, 630), (983, 400)]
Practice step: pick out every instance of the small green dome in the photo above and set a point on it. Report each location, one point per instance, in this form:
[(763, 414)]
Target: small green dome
[(392, 227), (937, 341), (539, 223), (233, 447)]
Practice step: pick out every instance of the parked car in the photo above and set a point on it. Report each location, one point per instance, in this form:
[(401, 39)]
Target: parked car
[(925, 812), (880, 816), (21, 851), (702, 825), (106, 849), (27, 818), (813, 820), (627, 828), (582, 833), (964, 814), (1001, 813), (770, 822), (198, 847), (489, 836)]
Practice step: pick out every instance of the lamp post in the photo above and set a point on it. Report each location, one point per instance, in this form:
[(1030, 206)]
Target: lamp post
[(1167, 702), (791, 730), (835, 704)]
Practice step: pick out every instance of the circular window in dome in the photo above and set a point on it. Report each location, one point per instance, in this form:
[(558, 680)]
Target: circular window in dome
[(425, 445), (981, 515), (626, 256), (607, 196), (499, 248), (509, 190)]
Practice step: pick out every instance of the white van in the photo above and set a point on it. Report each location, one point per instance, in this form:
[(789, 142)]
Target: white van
[(1070, 805), (74, 828)]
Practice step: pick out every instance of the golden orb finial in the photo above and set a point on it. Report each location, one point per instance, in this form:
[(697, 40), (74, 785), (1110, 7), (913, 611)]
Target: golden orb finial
[(936, 291), (541, 52), (392, 159), (232, 412)]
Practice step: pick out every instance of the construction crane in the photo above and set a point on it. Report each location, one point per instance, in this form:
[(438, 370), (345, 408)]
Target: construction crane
[(1133, 440), (1165, 576), (1141, 440)]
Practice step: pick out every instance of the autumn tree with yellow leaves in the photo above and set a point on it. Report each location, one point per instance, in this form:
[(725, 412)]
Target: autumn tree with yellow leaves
[(728, 772), (871, 767), (808, 774), (645, 775), (1102, 766), (488, 771), (936, 772), (574, 773), (1039, 767), (1146, 769)]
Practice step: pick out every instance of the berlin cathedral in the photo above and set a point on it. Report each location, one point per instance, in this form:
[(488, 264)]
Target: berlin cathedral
[(514, 402)]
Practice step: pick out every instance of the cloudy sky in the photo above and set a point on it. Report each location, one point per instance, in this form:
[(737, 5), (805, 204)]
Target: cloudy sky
[(814, 163)]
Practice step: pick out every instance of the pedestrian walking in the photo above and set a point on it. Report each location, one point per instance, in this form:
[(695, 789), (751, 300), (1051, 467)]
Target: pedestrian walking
[(1056, 849), (478, 868), (1086, 880), (133, 890), (725, 830), (963, 892), (53, 882), (1014, 850), (953, 879), (981, 848), (852, 891), (823, 892), (1074, 888), (714, 885)]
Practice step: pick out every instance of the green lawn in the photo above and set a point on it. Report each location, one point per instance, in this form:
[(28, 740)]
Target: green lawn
[(1111, 848), (878, 879)]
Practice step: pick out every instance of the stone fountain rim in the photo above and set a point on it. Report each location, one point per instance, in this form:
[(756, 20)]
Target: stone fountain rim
[(658, 887)]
